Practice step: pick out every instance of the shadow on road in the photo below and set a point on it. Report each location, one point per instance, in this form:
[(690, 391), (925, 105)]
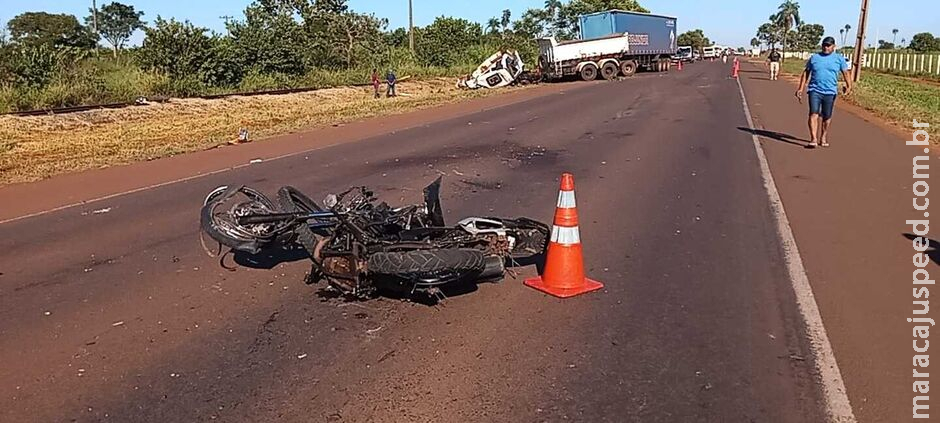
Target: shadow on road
[(269, 259), (931, 252), (776, 136), (389, 289)]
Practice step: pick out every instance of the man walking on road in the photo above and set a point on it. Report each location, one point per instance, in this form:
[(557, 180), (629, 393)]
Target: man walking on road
[(774, 59), (822, 72)]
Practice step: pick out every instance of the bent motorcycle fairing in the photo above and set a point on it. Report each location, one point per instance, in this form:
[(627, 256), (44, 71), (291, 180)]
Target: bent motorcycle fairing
[(358, 244)]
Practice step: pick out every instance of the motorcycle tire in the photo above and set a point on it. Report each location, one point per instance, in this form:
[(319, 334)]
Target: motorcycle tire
[(227, 232), (424, 263)]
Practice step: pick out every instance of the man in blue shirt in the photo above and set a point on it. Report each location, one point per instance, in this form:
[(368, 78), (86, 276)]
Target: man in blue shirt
[(822, 72)]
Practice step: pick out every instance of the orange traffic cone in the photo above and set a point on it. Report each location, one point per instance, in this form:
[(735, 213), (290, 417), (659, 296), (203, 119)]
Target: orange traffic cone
[(679, 65), (564, 267)]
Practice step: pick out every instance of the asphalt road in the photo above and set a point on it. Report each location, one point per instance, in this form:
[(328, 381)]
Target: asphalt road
[(121, 316)]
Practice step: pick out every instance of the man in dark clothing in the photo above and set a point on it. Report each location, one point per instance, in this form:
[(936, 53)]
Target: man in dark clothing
[(774, 58), (390, 80)]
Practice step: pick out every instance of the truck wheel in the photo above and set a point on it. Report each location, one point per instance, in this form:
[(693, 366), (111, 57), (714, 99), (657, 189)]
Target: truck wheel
[(628, 68), (609, 71), (589, 72)]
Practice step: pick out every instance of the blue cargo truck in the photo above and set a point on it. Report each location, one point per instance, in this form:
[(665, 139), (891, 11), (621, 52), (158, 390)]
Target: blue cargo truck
[(612, 43), (652, 37)]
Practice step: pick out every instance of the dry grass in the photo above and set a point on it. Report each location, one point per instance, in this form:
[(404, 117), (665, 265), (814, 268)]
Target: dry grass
[(34, 148)]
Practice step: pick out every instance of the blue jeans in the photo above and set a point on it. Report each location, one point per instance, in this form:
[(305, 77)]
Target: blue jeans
[(821, 104)]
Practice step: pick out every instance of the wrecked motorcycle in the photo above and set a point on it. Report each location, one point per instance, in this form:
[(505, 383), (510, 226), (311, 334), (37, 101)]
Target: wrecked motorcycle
[(359, 245)]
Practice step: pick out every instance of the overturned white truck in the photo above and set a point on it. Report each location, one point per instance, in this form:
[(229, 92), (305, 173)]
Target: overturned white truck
[(499, 70)]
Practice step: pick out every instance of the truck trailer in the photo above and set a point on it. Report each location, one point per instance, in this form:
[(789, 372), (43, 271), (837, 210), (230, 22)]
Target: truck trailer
[(612, 43)]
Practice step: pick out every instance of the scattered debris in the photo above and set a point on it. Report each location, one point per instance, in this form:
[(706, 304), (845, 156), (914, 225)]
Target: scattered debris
[(255, 161), (116, 324), (102, 211), (771, 336), (386, 356), (47, 313), (371, 331), (302, 356)]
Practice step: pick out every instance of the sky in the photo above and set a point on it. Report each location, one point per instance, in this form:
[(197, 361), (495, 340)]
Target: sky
[(727, 22)]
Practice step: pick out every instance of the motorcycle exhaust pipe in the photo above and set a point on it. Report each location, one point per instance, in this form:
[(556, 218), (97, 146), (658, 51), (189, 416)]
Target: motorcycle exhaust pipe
[(494, 268)]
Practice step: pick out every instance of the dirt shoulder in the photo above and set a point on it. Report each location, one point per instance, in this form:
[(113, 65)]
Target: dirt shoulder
[(35, 148), (23, 199), (889, 101)]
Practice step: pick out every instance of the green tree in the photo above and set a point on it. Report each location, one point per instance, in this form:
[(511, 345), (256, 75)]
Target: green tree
[(924, 42), (270, 39), (695, 38), (178, 49), (787, 17), (847, 28), (808, 37), (506, 19), (445, 41), (568, 25), (895, 33), (534, 23), (116, 23), (41, 28), (492, 26), (769, 33), (755, 42), (882, 44), (354, 37)]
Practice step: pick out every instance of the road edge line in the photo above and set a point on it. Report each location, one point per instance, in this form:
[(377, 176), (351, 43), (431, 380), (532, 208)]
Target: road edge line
[(838, 407)]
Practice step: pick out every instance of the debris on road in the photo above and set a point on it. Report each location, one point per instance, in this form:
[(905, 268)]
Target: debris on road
[(255, 161), (302, 356), (116, 324)]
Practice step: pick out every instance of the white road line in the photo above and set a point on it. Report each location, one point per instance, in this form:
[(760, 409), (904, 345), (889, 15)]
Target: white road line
[(837, 404)]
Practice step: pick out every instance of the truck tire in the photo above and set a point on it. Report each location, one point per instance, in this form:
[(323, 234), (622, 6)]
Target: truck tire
[(589, 72), (609, 71), (628, 67)]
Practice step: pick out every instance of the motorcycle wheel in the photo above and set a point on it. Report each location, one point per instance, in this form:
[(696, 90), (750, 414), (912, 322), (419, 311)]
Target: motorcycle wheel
[(427, 263), (221, 224)]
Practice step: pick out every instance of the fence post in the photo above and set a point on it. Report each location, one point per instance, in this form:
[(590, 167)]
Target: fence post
[(907, 64)]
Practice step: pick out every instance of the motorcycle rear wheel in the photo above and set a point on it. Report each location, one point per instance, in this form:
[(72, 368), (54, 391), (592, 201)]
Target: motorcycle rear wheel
[(427, 263)]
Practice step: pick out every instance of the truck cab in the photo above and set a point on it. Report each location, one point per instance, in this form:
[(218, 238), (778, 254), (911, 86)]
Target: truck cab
[(684, 54)]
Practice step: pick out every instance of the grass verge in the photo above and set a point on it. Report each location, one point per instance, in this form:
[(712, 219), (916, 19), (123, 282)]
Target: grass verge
[(896, 99), (34, 148)]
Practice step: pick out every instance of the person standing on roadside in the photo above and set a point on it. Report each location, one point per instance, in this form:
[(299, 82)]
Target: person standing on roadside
[(822, 72), (375, 82), (774, 59), (390, 80)]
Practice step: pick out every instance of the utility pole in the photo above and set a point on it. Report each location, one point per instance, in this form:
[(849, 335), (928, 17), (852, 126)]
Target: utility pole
[(860, 42), (411, 27), (94, 19)]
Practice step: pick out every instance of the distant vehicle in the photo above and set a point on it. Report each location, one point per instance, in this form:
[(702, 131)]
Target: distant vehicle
[(711, 52), (684, 54)]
